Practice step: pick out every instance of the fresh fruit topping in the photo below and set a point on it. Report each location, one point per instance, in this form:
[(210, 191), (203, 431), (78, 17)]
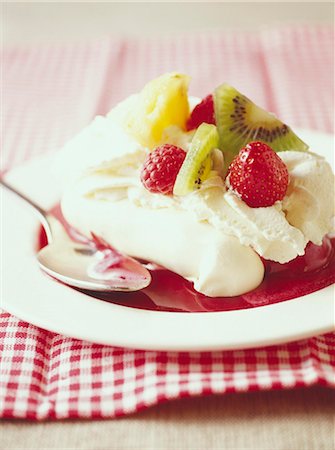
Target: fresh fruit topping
[(258, 175), (198, 161), (162, 102), (240, 121), (202, 113), (161, 167)]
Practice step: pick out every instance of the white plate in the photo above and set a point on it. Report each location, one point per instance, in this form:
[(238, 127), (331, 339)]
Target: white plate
[(35, 298)]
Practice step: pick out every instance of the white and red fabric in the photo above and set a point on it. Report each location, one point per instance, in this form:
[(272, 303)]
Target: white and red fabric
[(49, 93)]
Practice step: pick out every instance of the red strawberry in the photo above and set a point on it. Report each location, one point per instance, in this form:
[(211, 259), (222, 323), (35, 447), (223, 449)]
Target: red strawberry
[(161, 167), (203, 112), (258, 175)]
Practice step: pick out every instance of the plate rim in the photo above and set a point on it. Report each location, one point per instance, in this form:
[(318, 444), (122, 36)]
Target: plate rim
[(192, 331)]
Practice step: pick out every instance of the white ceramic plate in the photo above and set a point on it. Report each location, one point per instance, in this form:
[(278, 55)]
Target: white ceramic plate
[(33, 297)]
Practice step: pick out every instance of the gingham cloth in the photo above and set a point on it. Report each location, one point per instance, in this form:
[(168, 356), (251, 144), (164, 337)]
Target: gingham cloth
[(50, 92)]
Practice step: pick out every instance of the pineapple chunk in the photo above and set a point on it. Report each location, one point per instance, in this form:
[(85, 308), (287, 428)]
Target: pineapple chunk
[(162, 102)]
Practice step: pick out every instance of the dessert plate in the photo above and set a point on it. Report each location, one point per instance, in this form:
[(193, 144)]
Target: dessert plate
[(32, 296)]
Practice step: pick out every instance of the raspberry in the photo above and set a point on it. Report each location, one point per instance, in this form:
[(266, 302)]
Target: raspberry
[(258, 175), (161, 167), (203, 112)]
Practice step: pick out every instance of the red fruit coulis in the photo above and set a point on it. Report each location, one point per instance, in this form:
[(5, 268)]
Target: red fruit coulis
[(170, 292)]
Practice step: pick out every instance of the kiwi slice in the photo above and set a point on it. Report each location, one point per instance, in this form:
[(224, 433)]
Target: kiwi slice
[(198, 162), (240, 121)]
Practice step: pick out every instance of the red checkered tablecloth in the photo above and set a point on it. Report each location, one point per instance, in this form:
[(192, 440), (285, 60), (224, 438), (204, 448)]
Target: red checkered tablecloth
[(49, 93)]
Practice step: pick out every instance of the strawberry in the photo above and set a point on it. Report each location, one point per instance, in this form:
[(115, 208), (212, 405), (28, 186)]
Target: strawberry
[(203, 112), (161, 167), (258, 176)]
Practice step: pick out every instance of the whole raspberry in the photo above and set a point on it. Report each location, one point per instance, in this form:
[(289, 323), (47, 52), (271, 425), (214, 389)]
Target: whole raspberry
[(258, 175), (203, 112), (161, 167)]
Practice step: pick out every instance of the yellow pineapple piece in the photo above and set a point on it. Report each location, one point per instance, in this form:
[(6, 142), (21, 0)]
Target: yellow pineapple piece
[(162, 102)]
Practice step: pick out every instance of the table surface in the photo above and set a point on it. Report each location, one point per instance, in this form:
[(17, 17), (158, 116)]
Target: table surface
[(284, 420), (298, 419)]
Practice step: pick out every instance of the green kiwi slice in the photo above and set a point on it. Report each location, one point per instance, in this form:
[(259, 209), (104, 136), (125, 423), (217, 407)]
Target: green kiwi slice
[(240, 121), (198, 162)]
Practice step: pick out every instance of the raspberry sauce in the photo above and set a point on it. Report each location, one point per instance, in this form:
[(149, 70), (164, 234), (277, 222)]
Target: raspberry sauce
[(170, 292)]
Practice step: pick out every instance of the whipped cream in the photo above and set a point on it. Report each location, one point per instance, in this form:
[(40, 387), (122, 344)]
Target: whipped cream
[(102, 145), (210, 236), (309, 203)]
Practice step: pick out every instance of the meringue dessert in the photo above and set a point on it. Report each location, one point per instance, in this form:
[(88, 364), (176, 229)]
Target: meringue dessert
[(207, 189)]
